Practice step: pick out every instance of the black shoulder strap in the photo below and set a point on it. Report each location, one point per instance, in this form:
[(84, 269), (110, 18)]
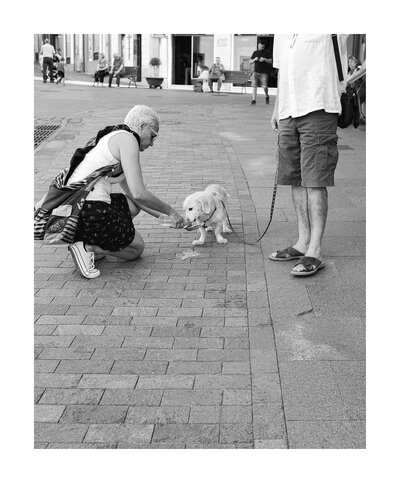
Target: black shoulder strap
[(337, 57)]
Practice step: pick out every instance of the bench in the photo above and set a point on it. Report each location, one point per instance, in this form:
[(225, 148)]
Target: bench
[(238, 78), (132, 74)]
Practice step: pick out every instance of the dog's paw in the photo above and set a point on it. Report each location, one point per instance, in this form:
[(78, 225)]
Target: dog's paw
[(198, 242), (222, 240)]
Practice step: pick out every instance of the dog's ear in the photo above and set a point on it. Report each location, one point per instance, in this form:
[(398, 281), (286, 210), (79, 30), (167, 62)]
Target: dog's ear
[(205, 201)]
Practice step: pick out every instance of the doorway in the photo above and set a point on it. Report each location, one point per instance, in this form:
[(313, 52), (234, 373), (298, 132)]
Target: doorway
[(181, 61)]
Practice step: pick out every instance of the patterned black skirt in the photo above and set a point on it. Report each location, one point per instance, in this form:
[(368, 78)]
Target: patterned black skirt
[(108, 226)]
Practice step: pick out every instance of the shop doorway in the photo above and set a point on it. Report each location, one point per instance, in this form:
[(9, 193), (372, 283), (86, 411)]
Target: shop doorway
[(181, 59)]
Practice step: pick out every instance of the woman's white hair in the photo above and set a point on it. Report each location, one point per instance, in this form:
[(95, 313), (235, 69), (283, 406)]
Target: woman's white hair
[(141, 115)]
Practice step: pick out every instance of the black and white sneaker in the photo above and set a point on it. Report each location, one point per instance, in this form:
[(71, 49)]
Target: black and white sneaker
[(84, 261), (252, 103)]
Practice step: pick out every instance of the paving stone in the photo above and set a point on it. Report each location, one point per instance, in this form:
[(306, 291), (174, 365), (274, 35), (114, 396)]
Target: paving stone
[(223, 355), (192, 322), (81, 446), (198, 343), (191, 397), (237, 397), (70, 353), (320, 338), (236, 433), (59, 433), (270, 444), (157, 415), (106, 320), (106, 353), (44, 329), (79, 330), (52, 341), (38, 393), (141, 367), (236, 368), (109, 381), (89, 414), (48, 413), (45, 365), (127, 330), (266, 387), (236, 414), (310, 392), (71, 396), (223, 381), (83, 367), (205, 414), (186, 433), (128, 433), (172, 381), (175, 332), (60, 319), (171, 354), (188, 367), (151, 342), (326, 434), (132, 397), (268, 421), (57, 380)]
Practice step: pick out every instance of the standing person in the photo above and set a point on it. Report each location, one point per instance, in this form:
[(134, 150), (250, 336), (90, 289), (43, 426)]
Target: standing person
[(261, 60), (305, 116), (101, 71), (105, 225), (61, 71), (216, 73), (116, 69), (47, 51), (356, 78)]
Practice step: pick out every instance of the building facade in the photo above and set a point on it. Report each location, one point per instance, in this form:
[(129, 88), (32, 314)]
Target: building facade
[(183, 56)]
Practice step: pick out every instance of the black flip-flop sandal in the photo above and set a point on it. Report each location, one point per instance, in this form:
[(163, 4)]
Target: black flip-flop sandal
[(287, 254), (311, 265)]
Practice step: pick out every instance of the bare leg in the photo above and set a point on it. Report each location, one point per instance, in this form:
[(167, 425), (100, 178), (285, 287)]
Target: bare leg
[(131, 252), (318, 211), (300, 201), (254, 93)]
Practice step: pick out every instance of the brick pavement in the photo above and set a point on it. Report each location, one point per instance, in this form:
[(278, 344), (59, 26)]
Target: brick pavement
[(224, 350)]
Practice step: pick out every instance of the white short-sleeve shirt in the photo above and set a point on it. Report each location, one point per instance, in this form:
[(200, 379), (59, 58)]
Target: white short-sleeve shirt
[(308, 78)]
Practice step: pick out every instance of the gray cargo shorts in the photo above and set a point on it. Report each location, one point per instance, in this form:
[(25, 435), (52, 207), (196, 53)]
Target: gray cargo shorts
[(308, 152)]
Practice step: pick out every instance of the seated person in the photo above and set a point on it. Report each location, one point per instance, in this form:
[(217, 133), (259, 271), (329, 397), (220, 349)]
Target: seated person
[(216, 74)]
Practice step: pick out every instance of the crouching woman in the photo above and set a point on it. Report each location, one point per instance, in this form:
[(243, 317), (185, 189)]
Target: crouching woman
[(105, 225)]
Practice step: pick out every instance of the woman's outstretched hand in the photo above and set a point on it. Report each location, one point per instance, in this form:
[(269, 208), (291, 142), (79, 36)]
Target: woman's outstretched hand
[(177, 220)]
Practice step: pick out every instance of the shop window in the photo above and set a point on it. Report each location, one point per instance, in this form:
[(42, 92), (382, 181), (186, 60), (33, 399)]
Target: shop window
[(202, 53), (243, 47)]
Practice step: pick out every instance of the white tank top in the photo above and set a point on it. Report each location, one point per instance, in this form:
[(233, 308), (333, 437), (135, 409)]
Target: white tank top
[(96, 158)]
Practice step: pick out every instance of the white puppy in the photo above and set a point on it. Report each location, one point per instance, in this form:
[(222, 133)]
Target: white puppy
[(207, 210)]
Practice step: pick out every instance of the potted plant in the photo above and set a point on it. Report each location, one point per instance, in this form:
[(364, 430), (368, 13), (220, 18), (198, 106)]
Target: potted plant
[(155, 81)]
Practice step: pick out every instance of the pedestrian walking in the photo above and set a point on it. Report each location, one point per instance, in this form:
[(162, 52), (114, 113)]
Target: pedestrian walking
[(116, 70), (48, 52), (102, 67), (261, 60), (216, 74), (305, 116), (105, 225)]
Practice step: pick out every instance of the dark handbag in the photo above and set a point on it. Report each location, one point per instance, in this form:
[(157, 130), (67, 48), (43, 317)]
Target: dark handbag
[(349, 100)]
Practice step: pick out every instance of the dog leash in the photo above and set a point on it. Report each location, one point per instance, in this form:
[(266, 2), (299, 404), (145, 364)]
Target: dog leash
[(271, 213)]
